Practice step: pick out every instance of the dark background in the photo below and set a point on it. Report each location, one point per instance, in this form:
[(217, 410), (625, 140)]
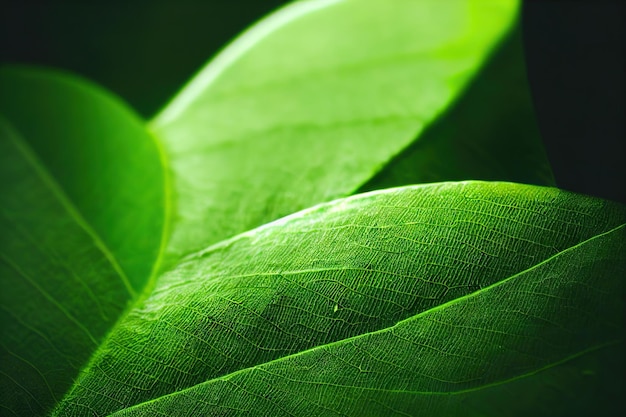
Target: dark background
[(575, 65), (144, 51)]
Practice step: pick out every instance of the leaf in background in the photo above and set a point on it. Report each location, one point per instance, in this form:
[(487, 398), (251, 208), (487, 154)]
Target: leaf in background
[(61, 288), (82, 193), (311, 103), (489, 133), (390, 274), (100, 154)]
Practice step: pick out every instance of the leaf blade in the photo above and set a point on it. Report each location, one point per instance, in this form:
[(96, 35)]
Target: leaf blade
[(405, 392), (101, 155), (327, 274), (270, 126), (490, 133), (46, 334)]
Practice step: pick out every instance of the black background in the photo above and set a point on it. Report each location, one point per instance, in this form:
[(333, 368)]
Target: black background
[(145, 51), (575, 65)]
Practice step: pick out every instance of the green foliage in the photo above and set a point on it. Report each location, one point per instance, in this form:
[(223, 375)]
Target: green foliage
[(149, 268), (280, 122), (329, 309), (100, 155)]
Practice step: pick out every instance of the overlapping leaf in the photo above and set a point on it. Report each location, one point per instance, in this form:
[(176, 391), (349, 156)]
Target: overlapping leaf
[(368, 269), (61, 288), (82, 200), (311, 103), (101, 155)]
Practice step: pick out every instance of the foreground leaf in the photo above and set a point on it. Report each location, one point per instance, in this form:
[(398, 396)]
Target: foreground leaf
[(99, 153), (311, 103), (410, 289), (531, 344), (61, 289)]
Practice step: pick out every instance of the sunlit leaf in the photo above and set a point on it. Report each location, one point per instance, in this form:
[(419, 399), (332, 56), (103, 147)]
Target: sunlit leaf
[(310, 103), (443, 287), (489, 133)]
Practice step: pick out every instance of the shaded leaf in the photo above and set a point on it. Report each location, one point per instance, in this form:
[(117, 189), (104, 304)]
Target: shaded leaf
[(61, 288), (489, 133), (311, 103), (393, 270), (100, 154), (83, 193), (529, 344)]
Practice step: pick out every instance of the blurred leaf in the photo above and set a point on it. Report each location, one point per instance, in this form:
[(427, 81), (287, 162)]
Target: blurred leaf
[(82, 203), (62, 289), (100, 154), (377, 304), (310, 103)]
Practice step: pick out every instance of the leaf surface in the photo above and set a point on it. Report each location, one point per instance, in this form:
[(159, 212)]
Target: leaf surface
[(100, 154), (489, 133), (394, 269), (61, 288), (527, 345), (311, 103), (83, 211)]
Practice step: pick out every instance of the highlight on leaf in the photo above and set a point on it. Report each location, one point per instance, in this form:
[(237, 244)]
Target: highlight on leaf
[(348, 211)]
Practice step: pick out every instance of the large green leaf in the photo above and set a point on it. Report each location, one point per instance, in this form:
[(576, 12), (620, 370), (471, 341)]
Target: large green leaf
[(437, 288), (311, 103), (61, 287), (307, 106), (100, 154), (534, 343)]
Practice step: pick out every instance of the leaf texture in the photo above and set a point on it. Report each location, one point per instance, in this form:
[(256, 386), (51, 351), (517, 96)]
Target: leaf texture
[(309, 104), (505, 350), (359, 289), (61, 289)]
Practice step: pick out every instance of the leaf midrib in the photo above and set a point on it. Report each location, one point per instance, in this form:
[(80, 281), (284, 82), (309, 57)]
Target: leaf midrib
[(350, 68), (457, 392), (417, 316), (254, 136)]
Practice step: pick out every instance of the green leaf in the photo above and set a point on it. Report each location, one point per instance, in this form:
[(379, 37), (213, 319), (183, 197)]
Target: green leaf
[(100, 154), (494, 352), (489, 133), (452, 298), (61, 287), (82, 193), (309, 104), (387, 300)]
